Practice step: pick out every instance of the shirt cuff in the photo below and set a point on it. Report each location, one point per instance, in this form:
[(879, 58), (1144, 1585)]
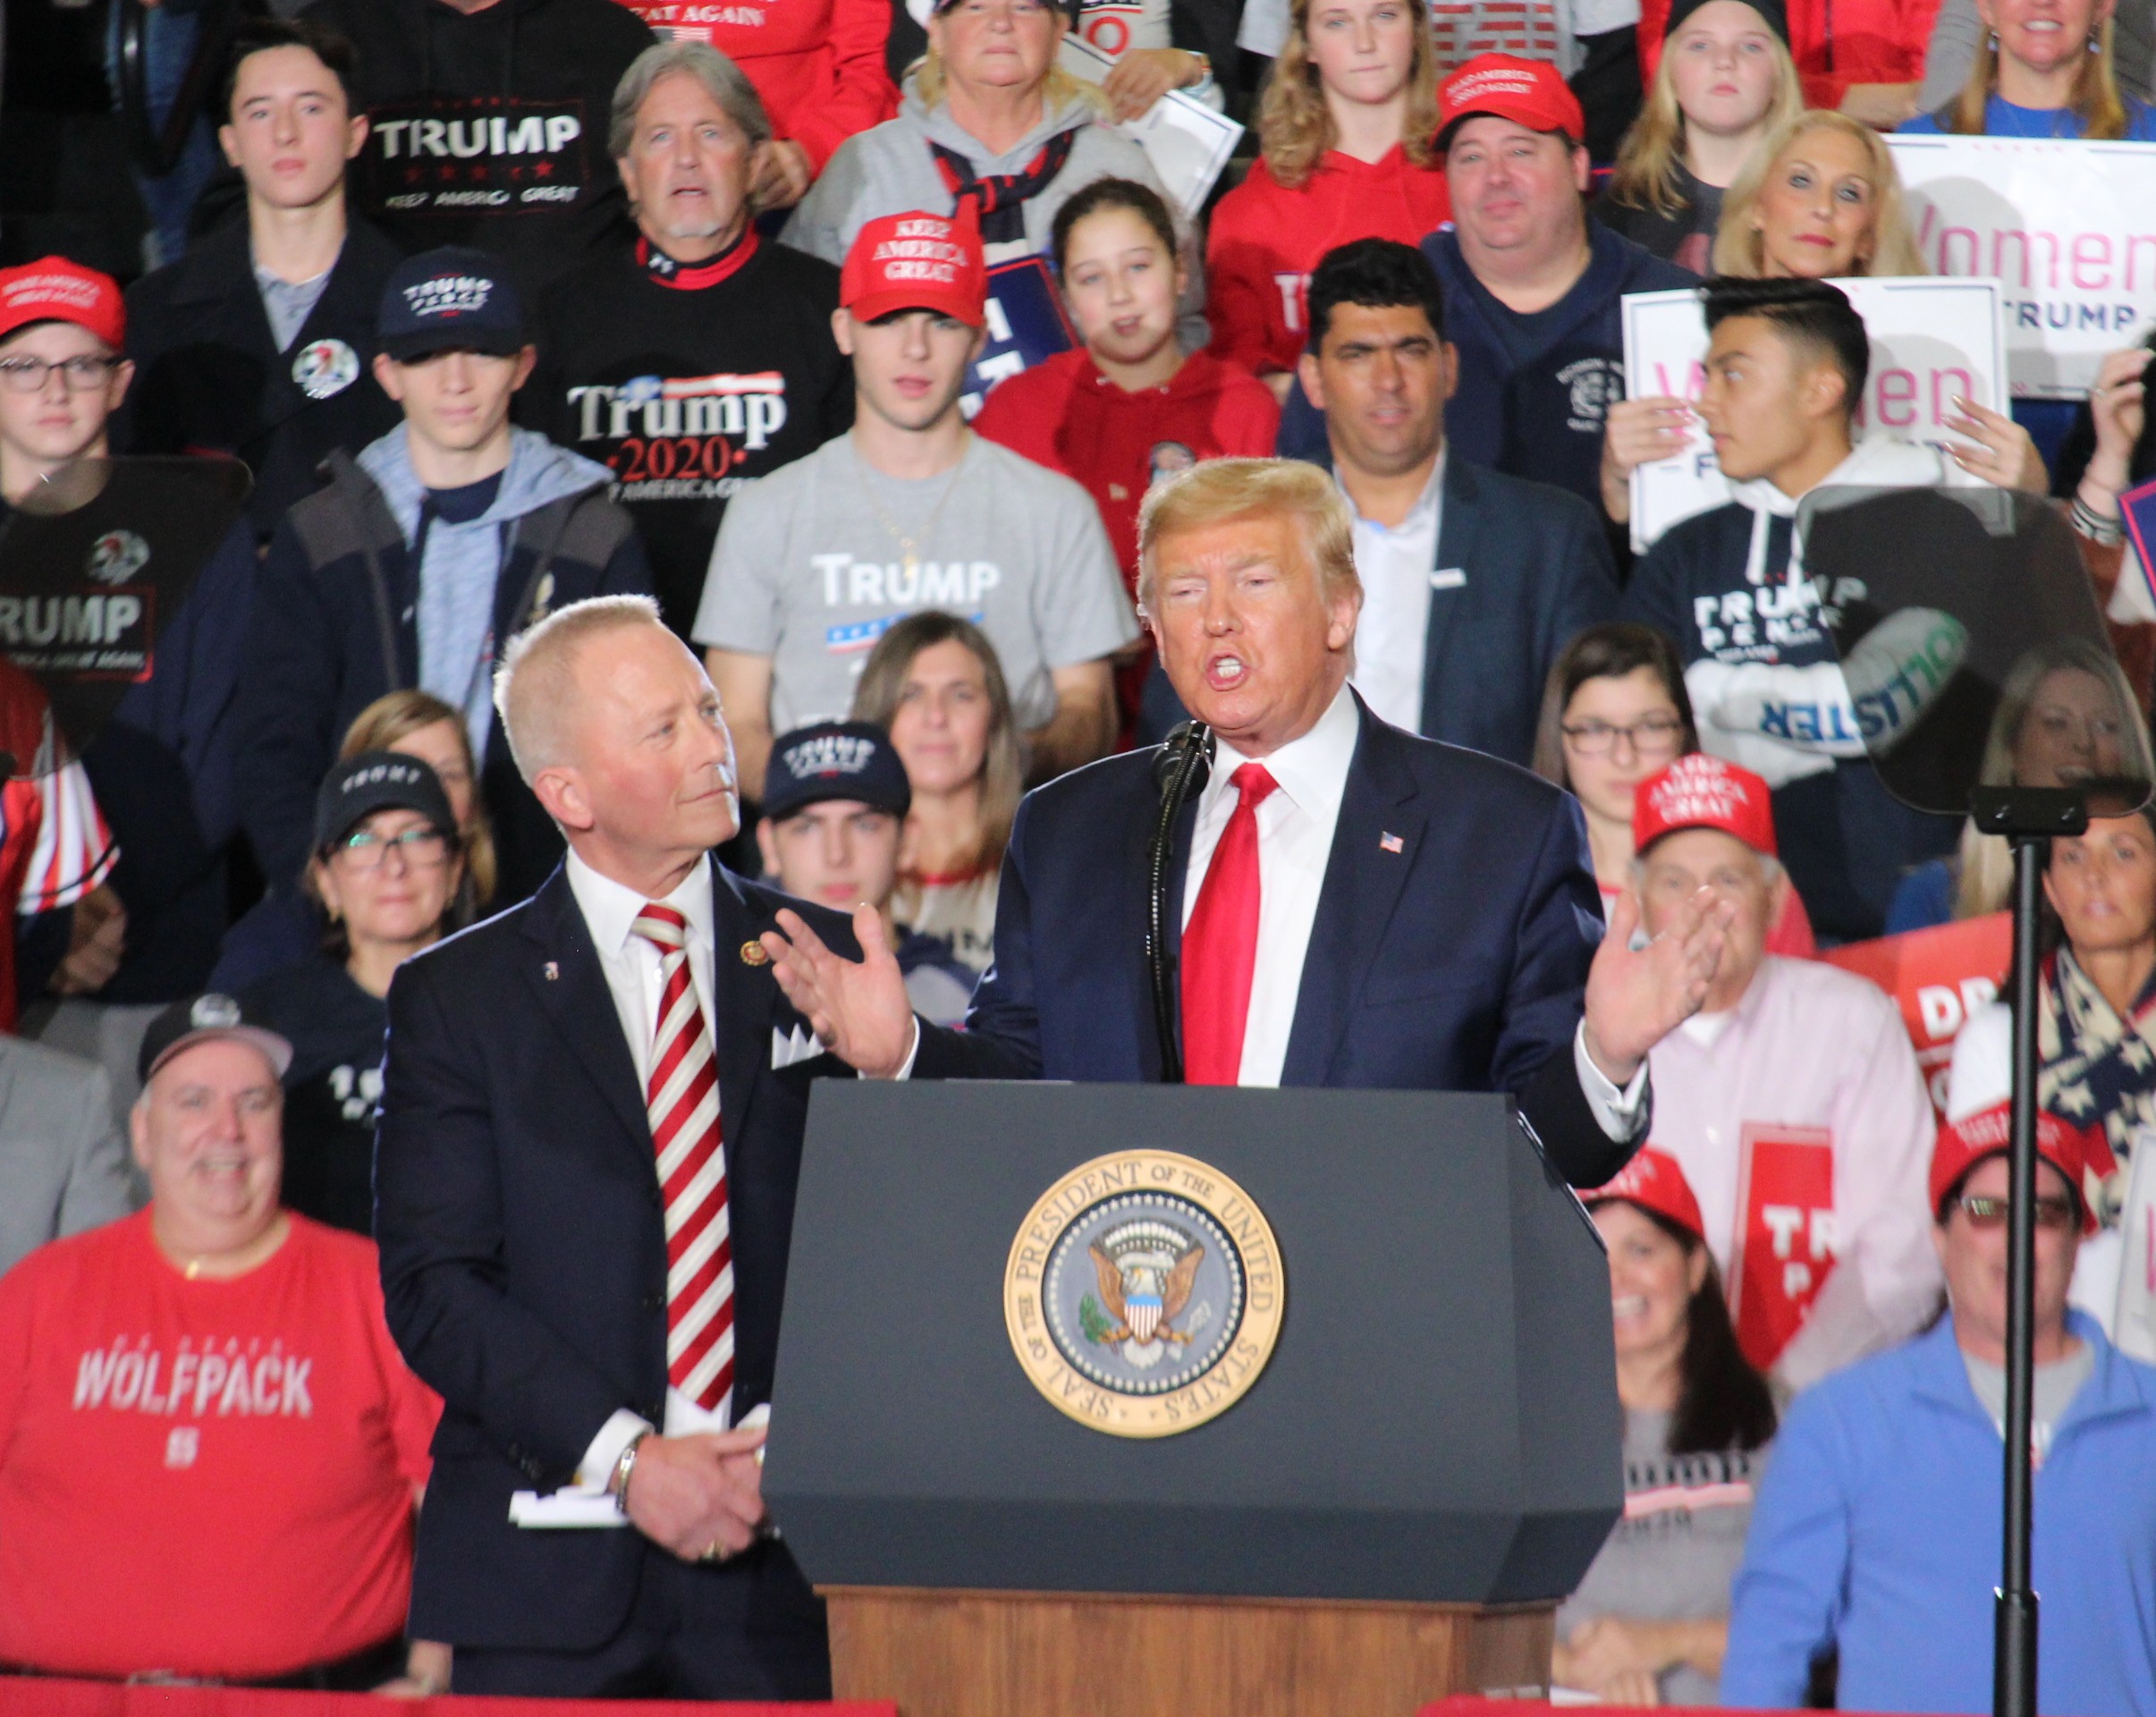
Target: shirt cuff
[(1619, 1113), (905, 1067), (595, 1470)]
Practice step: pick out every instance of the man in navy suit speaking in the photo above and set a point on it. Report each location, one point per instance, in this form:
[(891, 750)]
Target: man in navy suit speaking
[(1357, 906)]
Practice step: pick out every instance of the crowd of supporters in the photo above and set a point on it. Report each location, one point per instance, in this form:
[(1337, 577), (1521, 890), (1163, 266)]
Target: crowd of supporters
[(502, 304)]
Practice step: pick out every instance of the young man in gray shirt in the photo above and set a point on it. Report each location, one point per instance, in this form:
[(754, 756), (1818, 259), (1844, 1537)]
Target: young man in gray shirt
[(908, 511)]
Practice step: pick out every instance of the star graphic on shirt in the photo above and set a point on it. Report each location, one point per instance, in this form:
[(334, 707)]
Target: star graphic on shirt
[(2135, 1055), (2075, 1099), (545, 169)]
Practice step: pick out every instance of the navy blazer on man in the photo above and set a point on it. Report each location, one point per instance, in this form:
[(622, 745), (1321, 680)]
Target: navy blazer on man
[(1457, 964), (524, 1253)]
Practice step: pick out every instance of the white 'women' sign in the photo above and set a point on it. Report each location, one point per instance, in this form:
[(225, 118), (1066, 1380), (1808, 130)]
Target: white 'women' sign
[(2067, 229), (1932, 342)]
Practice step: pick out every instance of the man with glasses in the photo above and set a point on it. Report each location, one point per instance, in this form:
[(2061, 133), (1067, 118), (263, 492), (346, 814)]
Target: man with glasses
[(1792, 1098), (1876, 1532), (162, 768), (1472, 581), (421, 559)]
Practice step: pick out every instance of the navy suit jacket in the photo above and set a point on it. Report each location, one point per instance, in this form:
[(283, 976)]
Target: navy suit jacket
[(524, 1250), (1458, 963)]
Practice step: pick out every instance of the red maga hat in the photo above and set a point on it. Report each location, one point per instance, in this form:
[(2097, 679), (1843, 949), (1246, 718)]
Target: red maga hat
[(1528, 92), (54, 290), (1700, 791), (2080, 1154), (918, 261), (1653, 1180)]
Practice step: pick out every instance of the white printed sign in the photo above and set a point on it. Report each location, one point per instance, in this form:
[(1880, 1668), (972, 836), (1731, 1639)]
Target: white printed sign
[(1186, 142), (2067, 229), (1931, 341)]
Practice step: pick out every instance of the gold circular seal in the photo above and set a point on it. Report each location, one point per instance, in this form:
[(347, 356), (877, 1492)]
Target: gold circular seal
[(1144, 1293)]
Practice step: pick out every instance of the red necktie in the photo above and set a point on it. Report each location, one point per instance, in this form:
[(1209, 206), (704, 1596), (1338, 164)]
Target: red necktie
[(1220, 942), (682, 1098)]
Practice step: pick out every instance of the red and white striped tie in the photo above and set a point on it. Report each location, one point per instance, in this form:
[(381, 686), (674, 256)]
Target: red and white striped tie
[(682, 1098)]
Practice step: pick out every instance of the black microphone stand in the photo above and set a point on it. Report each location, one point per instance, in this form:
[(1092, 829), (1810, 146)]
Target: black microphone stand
[(1186, 759), (2029, 817)]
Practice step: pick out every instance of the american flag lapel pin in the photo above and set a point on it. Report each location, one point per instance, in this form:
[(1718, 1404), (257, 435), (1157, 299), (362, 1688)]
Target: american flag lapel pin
[(552, 971), (1391, 842)]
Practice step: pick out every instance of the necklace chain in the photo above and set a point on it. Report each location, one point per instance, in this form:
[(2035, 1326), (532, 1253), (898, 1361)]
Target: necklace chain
[(908, 551)]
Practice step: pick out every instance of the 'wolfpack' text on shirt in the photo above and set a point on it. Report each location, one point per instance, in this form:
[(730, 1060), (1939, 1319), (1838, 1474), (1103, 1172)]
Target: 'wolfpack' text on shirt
[(201, 1380)]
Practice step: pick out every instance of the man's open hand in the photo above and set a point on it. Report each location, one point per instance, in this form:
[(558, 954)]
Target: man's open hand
[(699, 1494), (856, 1008), (1637, 997)]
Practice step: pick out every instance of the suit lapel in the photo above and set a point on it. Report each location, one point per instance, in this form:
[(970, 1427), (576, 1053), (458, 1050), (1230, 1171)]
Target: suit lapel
[(564, 974), (1362, 882), (741, 995), (1459, 525)]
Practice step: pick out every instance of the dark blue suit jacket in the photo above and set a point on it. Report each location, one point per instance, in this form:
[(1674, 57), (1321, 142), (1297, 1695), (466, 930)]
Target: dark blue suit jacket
[(524, 1250), (1458, 963)]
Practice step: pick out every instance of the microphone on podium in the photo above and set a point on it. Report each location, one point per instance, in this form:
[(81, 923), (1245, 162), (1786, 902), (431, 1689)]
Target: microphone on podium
[(1185, 761)]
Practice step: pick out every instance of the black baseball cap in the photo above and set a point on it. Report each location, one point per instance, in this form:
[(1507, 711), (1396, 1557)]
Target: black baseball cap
[(196, 1019), (454, 298), (835, 760), (1771, 12), (378, 780)]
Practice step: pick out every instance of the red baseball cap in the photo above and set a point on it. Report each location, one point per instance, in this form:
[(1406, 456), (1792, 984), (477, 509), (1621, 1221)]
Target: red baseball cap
[(918, 261), (54, 290), (2080, 1154), (1653, 1180), (1700, 791), (1528, 92)]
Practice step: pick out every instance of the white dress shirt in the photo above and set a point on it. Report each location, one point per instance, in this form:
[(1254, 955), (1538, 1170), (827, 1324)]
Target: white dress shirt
[(632, 965), (1295, 829), (1397, 563)]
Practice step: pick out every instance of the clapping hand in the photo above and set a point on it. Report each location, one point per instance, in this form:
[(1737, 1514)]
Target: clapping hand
[(2004, 453), (1638, 997), (856, 1008)]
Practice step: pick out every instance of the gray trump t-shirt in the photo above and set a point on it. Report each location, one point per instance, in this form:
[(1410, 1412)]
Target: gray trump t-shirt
[(819, 559)]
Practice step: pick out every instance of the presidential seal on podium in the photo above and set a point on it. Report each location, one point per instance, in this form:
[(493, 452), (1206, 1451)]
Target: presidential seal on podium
[(1144, 1293)]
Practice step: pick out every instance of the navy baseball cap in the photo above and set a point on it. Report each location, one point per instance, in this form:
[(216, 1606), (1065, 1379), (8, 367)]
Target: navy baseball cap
[(835, 760), (379, 781), (454, 299), (197, 1018)]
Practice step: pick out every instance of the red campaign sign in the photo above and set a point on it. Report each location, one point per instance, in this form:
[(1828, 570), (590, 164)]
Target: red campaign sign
[(1785, 1236), (1937, 978)]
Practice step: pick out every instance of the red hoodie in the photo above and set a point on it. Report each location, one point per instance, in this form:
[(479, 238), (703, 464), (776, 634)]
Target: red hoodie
[(818, 63), (1267, 239), (1066, 415), (1835, 43)]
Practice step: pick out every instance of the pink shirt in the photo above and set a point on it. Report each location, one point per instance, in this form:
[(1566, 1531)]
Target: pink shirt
[(1812, 1047)]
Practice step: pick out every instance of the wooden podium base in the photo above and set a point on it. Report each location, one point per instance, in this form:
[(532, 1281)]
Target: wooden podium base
[(1063, 1654)]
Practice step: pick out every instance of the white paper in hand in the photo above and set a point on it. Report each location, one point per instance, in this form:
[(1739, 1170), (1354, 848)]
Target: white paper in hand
[(1186, 142)]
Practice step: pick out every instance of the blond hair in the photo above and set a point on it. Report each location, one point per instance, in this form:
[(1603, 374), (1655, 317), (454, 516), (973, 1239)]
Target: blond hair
[(535, 686), (1740, 248), (1295, 125), (1216, 490), (1647, 160), (399, 714), (2096, 101)]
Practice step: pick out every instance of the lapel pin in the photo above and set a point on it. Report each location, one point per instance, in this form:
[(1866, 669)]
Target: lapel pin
[(1391, 842), (753, 953), (552, 971)]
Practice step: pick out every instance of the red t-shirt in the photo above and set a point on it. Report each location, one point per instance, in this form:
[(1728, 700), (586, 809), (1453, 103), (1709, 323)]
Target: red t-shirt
[(1265, 240), (818, 64), (213, 1477), (1065, 414)]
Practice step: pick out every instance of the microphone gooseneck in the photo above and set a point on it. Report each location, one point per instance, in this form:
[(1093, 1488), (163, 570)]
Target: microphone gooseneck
[(1181, 770)]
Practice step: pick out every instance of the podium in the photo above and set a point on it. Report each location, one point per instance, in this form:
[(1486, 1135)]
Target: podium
[(1385, 1510)]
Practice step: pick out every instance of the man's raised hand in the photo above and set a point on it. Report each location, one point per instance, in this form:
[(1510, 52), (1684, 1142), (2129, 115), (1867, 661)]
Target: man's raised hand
[(857, 1009), (1637, 997)]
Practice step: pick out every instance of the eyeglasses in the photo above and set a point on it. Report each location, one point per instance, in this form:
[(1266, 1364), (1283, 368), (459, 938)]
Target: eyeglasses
[(1648, 736), (27, 374), (421, 848), (2054, 1211)]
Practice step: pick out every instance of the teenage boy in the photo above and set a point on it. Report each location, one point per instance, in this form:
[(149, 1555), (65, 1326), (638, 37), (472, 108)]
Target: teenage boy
[(257, 343), (690, 356), (911, 509), (835, 798), (1785, 367), (161, 766), (421, 559)]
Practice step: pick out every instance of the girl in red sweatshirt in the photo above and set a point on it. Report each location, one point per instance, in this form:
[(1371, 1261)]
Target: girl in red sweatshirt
[(1345, 129)]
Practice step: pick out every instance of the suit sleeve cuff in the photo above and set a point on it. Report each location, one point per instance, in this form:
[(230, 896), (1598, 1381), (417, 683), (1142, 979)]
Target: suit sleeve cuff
[(1619, 1113), (595, 1470)]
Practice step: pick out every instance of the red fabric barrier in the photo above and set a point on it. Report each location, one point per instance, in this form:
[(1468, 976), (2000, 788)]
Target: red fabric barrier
[(34, 1697)]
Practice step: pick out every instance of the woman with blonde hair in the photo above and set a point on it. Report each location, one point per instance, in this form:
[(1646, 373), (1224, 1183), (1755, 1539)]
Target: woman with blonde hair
[(933, 682), (2044, 71), (1724, 84), (1347, 134)]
